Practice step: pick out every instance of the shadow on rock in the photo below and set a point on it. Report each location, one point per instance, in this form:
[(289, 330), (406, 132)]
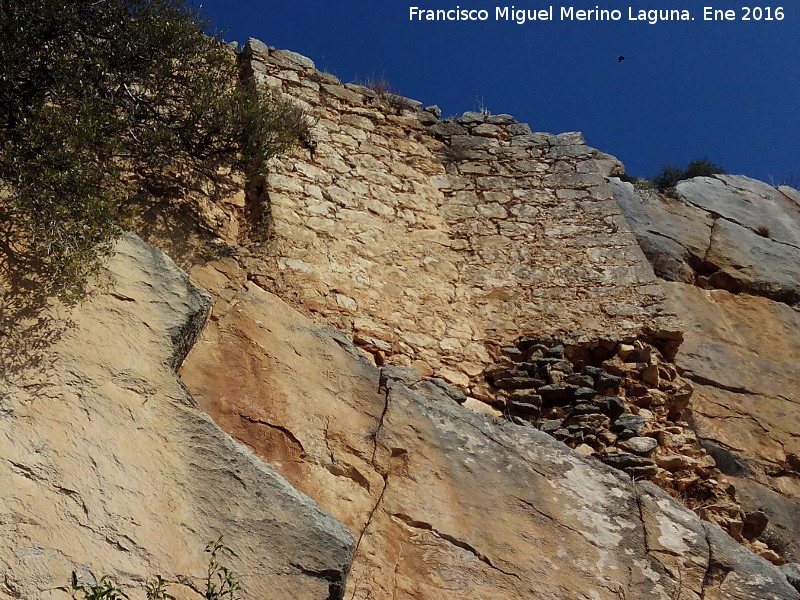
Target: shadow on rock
[(29, 298)]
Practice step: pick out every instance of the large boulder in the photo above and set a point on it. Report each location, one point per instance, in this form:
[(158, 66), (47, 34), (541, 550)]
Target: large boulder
[(110, 467)]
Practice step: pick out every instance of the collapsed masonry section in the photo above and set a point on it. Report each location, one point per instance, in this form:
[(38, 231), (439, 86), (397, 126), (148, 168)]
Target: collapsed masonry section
[(625, 404), (429, 240)]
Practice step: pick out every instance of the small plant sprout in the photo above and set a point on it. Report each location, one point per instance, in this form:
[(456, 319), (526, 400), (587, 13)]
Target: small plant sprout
[(155, 589), (104, 588), (221, 583)]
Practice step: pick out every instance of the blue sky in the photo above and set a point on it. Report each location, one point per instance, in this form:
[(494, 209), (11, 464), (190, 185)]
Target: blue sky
[(729, 90)]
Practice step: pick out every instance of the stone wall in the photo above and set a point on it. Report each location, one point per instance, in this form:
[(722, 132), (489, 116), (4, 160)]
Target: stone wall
[(432, 241)]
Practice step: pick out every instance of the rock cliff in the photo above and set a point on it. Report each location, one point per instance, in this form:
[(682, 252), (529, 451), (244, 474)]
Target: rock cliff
[(727, 246), (444, 499), (423, 358), (110, 467)]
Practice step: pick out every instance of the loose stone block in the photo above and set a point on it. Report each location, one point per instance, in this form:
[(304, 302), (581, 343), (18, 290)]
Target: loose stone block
[(639, 445)]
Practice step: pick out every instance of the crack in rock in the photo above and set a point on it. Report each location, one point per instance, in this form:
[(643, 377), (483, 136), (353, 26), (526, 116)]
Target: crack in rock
[(454, 541), (286, 432), (333, 577)]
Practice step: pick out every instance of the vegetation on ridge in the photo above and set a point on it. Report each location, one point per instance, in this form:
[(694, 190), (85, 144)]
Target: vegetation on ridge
[(670, 175), (105, 104)]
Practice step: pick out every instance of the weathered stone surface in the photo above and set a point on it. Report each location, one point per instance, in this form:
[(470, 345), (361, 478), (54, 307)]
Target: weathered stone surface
[(742, 353), (639, 445), (613, 406), (606, 382), (441, 386), (674, 462), (747, 202), (524, 409), (755, 522), (738, 348), (733, 232), (585, 393), (792, 572), (515, 383), (402, 471), (629, 422), (783, 528), (495, 231), (556, 393), (673, 235), (453, 216), (717, 583), (753, 263), (109, 466)]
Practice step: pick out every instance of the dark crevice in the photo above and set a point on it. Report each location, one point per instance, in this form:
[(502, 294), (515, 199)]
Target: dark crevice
[(10, 586), (555, 521), (454, 541), (288, 434), (708, 574), (25, 471), (121, 297), (386, 389), (371, 515), (715, 572), (649, 551), (715, 384), (382, 387), (334, 577), (704, 264)]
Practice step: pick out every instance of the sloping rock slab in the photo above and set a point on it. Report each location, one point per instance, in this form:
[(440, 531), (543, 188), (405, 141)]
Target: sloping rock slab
[(108, 466), (743, 354), (674, 235), (747, 261), (726, 231), (747, 202), (447, 502)]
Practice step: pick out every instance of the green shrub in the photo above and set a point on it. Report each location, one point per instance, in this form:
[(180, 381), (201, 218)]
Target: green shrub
[(221, 582), (670, 175), (156, 589), (104, 104), (702, 167)]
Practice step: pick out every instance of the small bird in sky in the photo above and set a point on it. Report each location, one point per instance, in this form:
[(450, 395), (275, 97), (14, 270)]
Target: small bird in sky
[(620, 58)]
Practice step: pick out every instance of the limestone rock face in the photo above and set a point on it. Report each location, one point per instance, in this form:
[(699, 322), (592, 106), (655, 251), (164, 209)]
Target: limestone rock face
[(108, 465), (726, 231), (741, 349), (445, 501), (743, 352)]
